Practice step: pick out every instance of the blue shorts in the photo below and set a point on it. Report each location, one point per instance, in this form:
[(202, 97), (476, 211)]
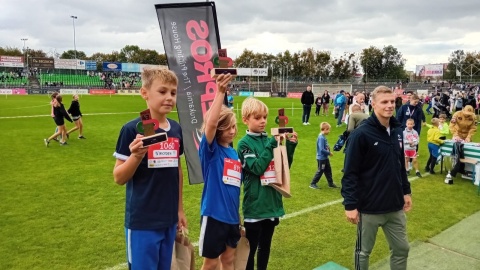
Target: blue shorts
[(151, 249), (434, 149)]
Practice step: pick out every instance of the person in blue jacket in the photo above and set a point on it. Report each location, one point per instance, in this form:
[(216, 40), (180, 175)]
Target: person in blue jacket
[(340, 103)]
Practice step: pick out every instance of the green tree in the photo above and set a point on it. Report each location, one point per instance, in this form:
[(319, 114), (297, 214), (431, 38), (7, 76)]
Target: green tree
[(70, 54), (130, 54), (371, 62), (10, 51), (393, 63), (322, 63), (344, 67)]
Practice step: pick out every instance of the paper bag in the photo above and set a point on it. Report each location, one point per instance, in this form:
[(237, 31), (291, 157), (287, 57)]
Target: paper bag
[(282, 171), (183, 253), (241, 255)]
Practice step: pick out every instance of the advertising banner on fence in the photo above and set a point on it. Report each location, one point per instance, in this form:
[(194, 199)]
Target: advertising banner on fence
[(5, 91), (11, 61), (101, 92), (69, 64), (429, 70), (245, 94), (130, 67), (294, 95), (128, 92), (90, 65), (37, 92), (261, 94), (19, 91), (74, 91), (191, 41), (111, 66), (252, 72), (42, 62)]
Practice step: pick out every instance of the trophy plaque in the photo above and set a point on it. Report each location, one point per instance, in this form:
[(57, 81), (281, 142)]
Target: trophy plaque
[(280, 158), (223, 64), (149, 125)]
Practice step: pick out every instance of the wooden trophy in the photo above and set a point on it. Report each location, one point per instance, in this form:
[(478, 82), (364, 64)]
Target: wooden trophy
[(280, 158), (222, 64), (149, 125)]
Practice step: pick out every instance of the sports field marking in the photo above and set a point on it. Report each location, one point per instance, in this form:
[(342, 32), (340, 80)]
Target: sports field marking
[(47, 115), (287, 216), (47, 104)]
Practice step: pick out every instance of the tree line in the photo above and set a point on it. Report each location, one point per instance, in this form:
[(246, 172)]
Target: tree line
[(310, 64)]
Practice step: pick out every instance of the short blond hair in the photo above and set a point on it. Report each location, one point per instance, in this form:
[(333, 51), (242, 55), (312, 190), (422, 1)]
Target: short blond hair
[(435, 121), (356, 108), (324, 126), (382, 89), (150, 74), (226, 120), (410, 120), (253, 106)]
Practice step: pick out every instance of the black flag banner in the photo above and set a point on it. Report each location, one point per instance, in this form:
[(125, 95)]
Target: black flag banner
[(191, 41)]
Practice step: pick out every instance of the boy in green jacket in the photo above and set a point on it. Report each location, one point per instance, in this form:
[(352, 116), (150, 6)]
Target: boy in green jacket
[(262, 205)]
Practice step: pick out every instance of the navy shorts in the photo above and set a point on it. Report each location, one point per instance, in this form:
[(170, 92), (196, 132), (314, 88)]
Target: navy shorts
[(59, 121), (215, 236)]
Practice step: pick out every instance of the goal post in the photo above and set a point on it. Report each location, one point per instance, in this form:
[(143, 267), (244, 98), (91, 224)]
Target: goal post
[(332, 88)]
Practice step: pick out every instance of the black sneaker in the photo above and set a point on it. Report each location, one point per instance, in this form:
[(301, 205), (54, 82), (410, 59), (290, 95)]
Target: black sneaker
[(418, 174), (55, 139), (314, 186), (81, 137), (63, 143), (427, 169), (431, 172), (408, 173), (332, 185), (46, 142)]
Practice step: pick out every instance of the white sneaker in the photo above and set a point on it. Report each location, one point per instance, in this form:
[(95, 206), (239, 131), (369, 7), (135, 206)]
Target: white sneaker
[(308, 123), (304, 123)]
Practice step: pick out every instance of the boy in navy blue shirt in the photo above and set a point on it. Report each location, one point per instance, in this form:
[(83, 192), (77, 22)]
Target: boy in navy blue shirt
[(153, 177), (323, 161)]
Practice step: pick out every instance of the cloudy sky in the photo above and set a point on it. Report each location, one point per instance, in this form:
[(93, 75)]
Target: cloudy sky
[(423, 31)]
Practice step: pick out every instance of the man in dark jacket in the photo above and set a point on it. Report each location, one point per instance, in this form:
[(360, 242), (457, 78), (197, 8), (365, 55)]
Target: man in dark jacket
[(412, 109), (307, 100), (376, 190)]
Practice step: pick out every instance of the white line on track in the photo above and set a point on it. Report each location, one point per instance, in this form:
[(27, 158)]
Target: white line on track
[(287, 216), (17, 108), (47, 115)]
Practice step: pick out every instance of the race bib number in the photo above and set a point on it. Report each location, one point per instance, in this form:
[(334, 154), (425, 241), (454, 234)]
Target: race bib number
[(164, 154), (232, 172), (268, 176)]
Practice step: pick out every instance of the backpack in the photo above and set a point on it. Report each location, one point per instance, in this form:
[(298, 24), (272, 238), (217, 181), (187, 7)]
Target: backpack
[(342, 138)]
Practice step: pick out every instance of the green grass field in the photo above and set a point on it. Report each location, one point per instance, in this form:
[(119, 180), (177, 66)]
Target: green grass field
[(60, 208)]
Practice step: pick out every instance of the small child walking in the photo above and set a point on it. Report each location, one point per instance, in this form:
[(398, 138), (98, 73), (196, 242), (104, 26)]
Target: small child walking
[(434, 142), (323, 161), (410, 142)]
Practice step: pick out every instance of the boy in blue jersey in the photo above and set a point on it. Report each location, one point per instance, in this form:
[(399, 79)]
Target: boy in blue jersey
[(323, 161), (154, 205), (221, 169)]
